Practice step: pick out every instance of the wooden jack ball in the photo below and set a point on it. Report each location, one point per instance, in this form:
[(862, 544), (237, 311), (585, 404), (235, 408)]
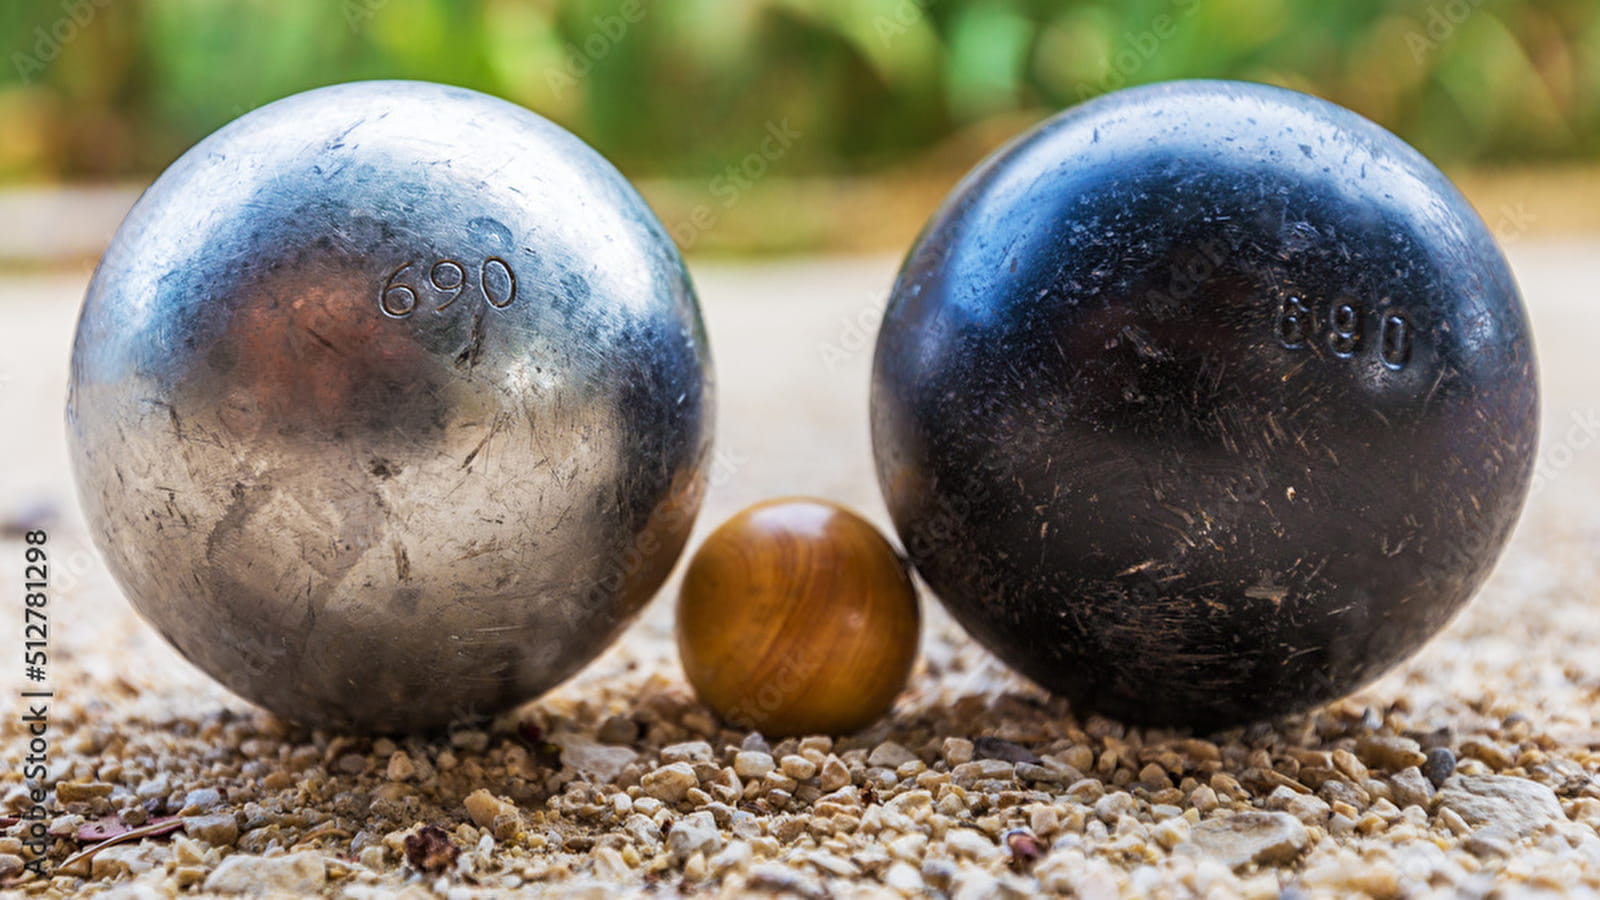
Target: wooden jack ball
[(797, 617)]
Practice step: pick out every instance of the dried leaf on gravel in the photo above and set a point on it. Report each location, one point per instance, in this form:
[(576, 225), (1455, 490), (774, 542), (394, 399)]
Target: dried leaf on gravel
[(430, 850), (156, 828)]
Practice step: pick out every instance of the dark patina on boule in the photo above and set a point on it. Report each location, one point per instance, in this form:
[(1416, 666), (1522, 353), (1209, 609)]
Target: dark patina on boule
[(1204, 402)]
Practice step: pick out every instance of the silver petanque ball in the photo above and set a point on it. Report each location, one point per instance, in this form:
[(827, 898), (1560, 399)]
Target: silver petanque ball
[(390, 405)]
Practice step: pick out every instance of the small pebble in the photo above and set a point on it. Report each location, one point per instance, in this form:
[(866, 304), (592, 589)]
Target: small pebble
[(201, 800), (1389, 753), (1249, 837), (1078, 757), (153, 787), (834, 775), (1409, 787), (905, 878), (970, 844), (610, 865), (695, 833), (955, 751), (1487, 752), (735, 855), (298, 874), (670, 783), (1489, 842), (890, 755), (687, 752), (752, 764), (1440, 765), (1169, 833), (642, 829), (400, 767), (1518, 805), (1311, 810), (1045, 820), (797, 767), (219, 830), (484, 808), (74, 791), (777, 878)]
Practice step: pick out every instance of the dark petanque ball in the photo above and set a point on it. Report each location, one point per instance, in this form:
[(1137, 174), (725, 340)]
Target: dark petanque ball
[(1204, 402)]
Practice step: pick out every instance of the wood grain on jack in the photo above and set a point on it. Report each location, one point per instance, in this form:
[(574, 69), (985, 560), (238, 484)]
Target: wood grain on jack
[(798, 617)]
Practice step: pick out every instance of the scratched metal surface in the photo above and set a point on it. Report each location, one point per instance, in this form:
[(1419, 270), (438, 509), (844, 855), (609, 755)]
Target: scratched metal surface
[(395, 385), (1222, 419)]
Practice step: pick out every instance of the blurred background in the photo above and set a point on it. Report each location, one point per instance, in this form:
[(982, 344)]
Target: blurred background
[(881, 104)]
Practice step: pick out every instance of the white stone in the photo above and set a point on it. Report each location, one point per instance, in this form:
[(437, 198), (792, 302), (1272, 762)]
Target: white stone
[(670, 783), (1518, 805), (753, 764), (890, 755), (970, 844), (694, 833), (262, 876), (1248, 837)]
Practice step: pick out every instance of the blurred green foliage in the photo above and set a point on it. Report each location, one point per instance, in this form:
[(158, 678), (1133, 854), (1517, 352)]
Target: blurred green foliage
[(118, 88)]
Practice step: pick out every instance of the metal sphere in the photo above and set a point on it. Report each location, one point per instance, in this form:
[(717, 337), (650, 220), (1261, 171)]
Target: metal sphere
[(390, 405), (1204, 402)]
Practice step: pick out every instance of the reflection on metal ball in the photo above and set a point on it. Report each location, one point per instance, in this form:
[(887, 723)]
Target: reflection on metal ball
[(390, 405)]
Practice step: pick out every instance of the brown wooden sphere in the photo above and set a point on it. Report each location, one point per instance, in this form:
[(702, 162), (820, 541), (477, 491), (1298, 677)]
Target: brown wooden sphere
[(797, 617)]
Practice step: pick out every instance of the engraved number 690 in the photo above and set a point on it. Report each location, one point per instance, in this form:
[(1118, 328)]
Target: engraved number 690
[(1344, 329), (446, 281)]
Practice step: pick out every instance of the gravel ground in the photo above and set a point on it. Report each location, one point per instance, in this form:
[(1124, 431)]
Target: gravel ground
[(1470, 771)]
